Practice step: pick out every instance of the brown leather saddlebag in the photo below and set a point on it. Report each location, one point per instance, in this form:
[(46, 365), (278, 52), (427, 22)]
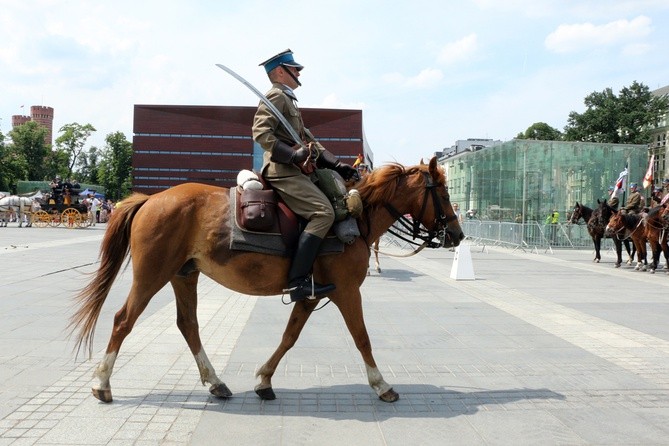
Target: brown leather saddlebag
[(258, 209)]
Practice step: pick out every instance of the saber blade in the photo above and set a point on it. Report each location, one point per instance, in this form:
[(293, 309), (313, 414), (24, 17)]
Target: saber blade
[(277, 114)]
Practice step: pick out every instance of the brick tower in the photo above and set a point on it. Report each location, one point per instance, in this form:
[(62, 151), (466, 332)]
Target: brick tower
[(42, 115)]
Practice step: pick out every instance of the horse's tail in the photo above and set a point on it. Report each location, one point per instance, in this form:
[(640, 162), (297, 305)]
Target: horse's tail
[(114, 249)]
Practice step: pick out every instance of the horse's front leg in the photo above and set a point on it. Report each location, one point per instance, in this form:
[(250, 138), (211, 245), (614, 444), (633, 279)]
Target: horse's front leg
[(655, 255), (351, 309), (298, 318), (185, 290), (619, 251), (641, 256)]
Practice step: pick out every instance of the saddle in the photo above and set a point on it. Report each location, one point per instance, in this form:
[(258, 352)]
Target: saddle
[(261, 221)]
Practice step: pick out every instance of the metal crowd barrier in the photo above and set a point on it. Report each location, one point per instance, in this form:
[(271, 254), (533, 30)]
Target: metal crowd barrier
[(531, 235), (528, 236)]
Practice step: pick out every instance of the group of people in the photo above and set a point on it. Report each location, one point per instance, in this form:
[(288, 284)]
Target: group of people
[(636, 202), (62, 191)]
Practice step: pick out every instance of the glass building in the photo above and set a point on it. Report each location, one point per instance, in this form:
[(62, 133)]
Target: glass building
[(525, 180)]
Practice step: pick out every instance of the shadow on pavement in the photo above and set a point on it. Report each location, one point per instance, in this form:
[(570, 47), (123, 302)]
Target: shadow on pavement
[(355, 402)]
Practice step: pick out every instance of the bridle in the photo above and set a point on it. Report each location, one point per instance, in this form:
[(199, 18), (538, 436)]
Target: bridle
[(576, 215), (624, 227), (412, 227)]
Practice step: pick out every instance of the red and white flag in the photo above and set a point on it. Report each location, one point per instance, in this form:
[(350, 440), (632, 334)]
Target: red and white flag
[(620, 182), (648, 179)]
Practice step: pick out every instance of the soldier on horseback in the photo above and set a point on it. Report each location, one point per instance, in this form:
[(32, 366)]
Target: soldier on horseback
[(287, 166), (634, 201), (613, 198)]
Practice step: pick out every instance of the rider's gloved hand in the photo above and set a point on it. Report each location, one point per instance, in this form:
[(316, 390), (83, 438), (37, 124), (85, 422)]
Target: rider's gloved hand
[(300, 155), (347, 172)]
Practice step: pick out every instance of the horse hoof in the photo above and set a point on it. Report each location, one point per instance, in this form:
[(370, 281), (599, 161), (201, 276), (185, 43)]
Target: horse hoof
[(390, 396), (378, 270), (266, 393), (652, 271), (617, 265), (220, 391), (596, 260), (103, 395)]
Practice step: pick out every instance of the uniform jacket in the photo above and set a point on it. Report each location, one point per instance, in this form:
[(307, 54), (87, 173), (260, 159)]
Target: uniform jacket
[(267, 130), (634, 202), (613, 202)]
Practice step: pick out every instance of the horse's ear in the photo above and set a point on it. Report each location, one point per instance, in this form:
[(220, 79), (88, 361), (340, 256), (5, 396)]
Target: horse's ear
[(598, 202), (421, 163), (434, 168)]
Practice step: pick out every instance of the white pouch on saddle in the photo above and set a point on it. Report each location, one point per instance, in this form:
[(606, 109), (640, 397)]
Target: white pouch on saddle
[(247, 179)]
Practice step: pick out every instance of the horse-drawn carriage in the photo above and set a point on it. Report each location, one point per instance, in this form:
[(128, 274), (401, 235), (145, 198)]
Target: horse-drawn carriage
[(55, 214), (63, 206)]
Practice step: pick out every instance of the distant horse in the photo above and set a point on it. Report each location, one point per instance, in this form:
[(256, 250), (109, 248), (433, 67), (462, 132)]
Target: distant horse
[(175, 235), (20, 205), (630, 225), (655, 227), (596, 221)]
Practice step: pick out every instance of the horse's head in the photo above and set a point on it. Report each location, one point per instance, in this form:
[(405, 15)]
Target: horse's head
[(420, 192), (576, 214), (616, 224)]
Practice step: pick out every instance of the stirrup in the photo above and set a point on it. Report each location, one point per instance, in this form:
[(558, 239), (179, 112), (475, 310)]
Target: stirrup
[(323, 290)]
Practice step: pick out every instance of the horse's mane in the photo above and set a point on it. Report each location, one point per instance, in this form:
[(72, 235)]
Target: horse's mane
[(380, 185)]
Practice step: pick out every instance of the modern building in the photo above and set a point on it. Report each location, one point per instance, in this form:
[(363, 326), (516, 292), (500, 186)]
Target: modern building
[(658, 143), (174, 144), (42, 115), (470, 144), (527, 179)]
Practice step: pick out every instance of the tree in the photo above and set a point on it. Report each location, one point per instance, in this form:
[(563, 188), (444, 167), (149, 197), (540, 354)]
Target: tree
[(28, 140), (116, 166), (89, 166), (623, 119), (541, 131), (72, 141), (13, 167)]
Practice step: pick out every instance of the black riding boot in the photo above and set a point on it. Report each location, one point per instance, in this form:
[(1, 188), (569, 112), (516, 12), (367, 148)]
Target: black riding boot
[(299, 277)]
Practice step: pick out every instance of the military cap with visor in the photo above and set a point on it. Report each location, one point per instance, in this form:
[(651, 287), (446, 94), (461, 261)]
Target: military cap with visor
[(284, 58)]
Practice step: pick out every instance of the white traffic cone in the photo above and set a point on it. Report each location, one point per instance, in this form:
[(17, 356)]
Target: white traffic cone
[(462, 268)]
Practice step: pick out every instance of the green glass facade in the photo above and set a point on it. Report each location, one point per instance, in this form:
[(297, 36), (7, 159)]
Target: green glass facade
[(524, 180)]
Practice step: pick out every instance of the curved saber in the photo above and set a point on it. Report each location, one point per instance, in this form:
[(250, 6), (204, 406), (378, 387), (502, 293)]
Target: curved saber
[(277, 114)]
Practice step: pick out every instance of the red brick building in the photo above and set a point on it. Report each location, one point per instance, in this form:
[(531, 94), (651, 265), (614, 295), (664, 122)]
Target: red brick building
[(174, 144)]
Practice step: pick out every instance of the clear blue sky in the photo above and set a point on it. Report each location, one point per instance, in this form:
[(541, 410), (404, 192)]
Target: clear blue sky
[(425, 73)]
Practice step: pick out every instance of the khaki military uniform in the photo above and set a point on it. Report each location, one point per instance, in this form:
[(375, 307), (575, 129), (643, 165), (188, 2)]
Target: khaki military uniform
[(634, 202), (613, 202), (298, 191)]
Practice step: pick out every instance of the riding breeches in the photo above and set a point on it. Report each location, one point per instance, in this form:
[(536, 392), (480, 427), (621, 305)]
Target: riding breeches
[(305, 199)]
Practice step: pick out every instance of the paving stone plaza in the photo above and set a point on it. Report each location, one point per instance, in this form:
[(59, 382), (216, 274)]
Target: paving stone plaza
[(542, 348)]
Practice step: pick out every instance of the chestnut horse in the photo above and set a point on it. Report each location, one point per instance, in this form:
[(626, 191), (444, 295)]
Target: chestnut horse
[(175, 235), (630, 225), (656, 233), (596, 221)]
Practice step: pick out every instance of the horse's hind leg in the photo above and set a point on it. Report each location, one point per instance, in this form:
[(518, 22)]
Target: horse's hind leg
[(598, 246), (124, 320), (351, 310), (298, 318), (185, 290)]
